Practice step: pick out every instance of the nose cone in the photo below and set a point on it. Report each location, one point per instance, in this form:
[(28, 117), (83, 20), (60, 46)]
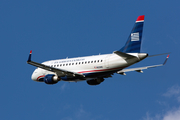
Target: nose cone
[(34, 76), (38, 75), (142, 55)]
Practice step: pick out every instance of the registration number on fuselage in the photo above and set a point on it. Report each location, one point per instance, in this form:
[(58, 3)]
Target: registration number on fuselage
[(98, 67)]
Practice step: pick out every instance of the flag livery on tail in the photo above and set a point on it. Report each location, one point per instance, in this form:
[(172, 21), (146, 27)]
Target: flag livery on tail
[(133, 44)]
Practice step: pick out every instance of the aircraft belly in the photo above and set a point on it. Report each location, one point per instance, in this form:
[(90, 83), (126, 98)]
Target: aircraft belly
[(88, 76)]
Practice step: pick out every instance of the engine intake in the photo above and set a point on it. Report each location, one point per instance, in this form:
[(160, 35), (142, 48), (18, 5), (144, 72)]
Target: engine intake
[(51, 79)]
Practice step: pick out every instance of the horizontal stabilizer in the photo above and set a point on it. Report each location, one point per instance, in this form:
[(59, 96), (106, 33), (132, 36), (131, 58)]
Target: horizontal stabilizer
[(124, 55)]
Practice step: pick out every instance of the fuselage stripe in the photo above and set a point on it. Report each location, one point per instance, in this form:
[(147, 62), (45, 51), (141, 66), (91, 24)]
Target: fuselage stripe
[(40, 77), (101, 70)]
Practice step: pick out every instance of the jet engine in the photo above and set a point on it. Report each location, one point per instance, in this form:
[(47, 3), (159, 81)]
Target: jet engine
[(95, 81), (51, 79)]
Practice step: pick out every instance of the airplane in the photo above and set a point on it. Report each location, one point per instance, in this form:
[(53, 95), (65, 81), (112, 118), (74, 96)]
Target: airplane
[(94, 69)]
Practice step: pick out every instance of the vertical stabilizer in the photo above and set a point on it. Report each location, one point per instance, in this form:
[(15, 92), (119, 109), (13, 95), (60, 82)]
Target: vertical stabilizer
[(133, 44)]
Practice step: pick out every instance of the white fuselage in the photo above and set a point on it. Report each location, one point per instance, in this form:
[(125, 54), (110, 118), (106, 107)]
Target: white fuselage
[(90, 66)]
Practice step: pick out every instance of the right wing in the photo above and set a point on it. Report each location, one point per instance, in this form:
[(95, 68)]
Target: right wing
[(139, 69), (158, 54), (58, 71)]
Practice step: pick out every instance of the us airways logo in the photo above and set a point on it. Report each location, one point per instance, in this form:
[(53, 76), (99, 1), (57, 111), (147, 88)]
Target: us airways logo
[(135, 36)]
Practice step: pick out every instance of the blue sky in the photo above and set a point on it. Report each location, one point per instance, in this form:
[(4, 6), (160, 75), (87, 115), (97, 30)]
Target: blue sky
[(59, 29)]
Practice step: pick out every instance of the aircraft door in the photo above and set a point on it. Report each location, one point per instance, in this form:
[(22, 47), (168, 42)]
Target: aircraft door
[(106, 61)]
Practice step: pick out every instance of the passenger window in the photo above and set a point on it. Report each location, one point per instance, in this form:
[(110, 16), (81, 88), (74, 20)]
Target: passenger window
[(58, 65), (76, 63), (85, 62), (54, 65), (63, 64), (82, 62), (91, 61), (66, 64), (69, 63), (98, 61), (101, 60), (79, 62), (72, 63), (95, 61), (88, 61)]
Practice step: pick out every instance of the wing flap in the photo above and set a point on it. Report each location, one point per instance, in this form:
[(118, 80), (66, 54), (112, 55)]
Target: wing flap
[(139, 69)]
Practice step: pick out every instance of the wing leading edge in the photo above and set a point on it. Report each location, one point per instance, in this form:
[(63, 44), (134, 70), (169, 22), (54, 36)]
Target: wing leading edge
[(59, 72)]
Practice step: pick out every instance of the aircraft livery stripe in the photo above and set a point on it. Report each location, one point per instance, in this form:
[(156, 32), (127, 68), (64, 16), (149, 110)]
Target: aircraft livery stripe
[(101, 70), (40, 77)]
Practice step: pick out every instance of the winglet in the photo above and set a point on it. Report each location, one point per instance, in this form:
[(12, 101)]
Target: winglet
[(29, 59), (166, 60)]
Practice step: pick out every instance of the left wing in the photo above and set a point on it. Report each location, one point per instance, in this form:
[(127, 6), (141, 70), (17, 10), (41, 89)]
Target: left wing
[(122, 72), (59, 72)]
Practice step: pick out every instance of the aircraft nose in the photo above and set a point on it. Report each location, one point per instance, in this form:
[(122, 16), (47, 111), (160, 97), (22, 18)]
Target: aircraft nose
[(37, 76), (34, 77)]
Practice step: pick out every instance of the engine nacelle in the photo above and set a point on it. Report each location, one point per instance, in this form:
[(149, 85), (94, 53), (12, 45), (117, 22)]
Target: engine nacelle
[(95, 81), (51, 79)]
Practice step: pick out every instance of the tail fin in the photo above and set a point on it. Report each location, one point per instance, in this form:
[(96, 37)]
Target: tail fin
[(133, 44)]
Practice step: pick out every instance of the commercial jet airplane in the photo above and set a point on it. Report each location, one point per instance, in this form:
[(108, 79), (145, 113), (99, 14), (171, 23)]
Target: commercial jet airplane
[(94, 69)]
